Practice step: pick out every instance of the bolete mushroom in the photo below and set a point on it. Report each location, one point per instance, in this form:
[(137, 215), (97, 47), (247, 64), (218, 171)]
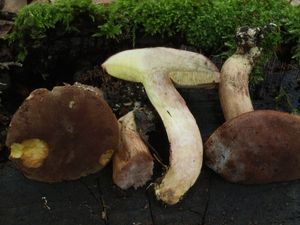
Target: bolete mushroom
[(62, 134), (132, 162), (157, 69), (256, 147), (251, 146)]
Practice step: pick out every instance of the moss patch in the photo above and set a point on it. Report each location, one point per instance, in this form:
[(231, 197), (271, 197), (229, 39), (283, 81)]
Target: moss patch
[(208, 25)]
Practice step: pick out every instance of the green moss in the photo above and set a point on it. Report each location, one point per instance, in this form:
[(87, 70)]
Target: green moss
[(293, 29), (34, 21), (207, 24), (284, 99)]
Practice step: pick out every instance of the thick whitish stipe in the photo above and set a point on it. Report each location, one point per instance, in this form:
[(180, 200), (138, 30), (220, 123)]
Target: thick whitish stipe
[(234, 84), (186, 150)]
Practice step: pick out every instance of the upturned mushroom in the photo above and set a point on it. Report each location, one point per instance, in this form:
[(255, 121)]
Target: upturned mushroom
[(157, 69), (62, 134), (251, 146)]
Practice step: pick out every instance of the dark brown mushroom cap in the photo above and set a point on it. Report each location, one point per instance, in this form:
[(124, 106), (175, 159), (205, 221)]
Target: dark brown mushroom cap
[(257, 147), (77, 125)]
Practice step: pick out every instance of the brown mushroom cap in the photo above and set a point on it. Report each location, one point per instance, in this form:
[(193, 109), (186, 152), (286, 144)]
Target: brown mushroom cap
[(257, 147), (76, 124)]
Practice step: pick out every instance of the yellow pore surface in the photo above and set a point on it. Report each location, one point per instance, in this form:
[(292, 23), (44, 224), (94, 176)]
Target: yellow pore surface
[(32, 152)]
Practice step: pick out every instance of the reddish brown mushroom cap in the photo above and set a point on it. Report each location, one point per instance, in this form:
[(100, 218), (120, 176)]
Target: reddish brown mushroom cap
[(257, 147), (76, 124)]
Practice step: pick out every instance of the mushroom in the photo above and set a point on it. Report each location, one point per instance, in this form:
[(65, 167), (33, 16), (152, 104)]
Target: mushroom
[(62, 134), (156, 69), (132, 162), (256, 147), (251, 146)]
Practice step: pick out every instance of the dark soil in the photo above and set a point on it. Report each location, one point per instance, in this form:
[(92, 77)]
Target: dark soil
[(95, 199)]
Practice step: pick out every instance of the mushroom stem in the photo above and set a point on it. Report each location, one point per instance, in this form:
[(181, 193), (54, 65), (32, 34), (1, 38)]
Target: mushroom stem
[(186, 148), (234, 81), (132, 162)]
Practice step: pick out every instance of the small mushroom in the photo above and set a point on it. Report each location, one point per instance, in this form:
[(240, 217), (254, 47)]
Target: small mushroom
[(157, 69), (132, 162), (251, 146), (62, 134)]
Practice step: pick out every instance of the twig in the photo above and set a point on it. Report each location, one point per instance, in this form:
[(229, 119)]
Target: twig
[(6, 65), (104, 213), (205, 214), (98, 199)]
